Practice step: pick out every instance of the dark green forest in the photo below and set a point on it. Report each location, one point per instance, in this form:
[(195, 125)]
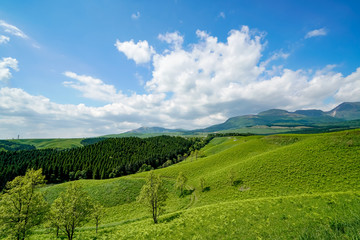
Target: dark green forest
[(13, 146), (108, 158)]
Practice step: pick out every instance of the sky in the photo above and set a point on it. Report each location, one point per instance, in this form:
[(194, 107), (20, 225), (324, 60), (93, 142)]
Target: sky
[(84, 68)]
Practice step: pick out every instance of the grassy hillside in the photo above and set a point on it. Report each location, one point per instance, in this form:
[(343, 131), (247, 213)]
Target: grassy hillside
[(286, 187), (59, 143)]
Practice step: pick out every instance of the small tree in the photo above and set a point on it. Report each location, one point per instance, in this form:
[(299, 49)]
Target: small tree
[(202, 184), (153, 194), (145, 168), (98, 213), (21, 207), (232, 177), (181, 182), (71, 210)]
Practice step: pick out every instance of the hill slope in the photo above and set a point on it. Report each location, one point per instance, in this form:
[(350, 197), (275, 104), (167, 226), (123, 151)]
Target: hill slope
[(287, 187)]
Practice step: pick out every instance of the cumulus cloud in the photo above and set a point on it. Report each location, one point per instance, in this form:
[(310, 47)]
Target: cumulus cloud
[(90, 87), (11, 29), (349, 90), (135, 15), (172, 38), (140, 52), (191, 87), (316, 33), (4, 39), (6, 64)]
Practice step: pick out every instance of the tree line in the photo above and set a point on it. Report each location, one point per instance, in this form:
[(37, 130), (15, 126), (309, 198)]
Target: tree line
[(14, 146), (108, 158)]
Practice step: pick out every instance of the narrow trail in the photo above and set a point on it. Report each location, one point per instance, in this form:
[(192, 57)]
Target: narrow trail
[(193, 197)]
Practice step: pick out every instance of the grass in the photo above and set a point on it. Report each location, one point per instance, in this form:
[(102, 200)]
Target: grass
[(59, 143), (289, 187)]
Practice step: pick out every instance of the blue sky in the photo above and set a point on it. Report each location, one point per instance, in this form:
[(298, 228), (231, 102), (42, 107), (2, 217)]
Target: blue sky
[(88, 68)]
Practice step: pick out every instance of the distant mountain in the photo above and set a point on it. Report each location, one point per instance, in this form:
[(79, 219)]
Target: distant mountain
[(346, 110), (274, 117), (154, 130), (148, 132)]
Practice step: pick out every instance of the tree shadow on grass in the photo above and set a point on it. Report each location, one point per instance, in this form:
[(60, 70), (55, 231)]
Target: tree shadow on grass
[(170, 218), (237, 182), (187, 192), (206, 189)]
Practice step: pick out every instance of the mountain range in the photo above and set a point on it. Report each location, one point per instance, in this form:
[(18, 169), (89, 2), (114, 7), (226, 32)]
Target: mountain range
[(343, 115)]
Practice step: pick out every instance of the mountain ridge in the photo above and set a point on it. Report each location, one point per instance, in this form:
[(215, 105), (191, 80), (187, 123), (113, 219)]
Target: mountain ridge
[(346, 111)]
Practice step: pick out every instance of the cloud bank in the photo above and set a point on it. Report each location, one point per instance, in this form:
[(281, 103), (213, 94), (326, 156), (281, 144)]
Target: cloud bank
[(191, 87)]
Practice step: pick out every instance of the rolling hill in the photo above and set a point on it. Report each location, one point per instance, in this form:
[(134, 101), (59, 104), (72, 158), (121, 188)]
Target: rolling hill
[(289, 186)]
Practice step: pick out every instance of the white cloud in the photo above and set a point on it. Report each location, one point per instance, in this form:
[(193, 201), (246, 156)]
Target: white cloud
[(140, 52), (316, 33), (172, 38), (349, 90), (275, 56), (5, 65), (222, 15), (135, 15), (4, 39), (92, 88), (191, 87), (11, 29)]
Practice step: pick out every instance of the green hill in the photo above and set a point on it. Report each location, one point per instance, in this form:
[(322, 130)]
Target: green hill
[(14, 146), (285, 187), (58, 143)]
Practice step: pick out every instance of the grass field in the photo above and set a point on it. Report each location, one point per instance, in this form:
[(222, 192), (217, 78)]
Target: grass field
[(286, 187), (59, 143)]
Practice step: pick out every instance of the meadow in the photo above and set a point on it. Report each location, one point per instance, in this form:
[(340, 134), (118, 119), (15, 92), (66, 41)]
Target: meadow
[(58, 143), (289, 186)]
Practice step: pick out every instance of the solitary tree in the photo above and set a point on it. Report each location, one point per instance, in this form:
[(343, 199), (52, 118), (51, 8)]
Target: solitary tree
[(232, 177), (153, 194), (71, 210), (202, 184), (21, 206), (98, 213), (181, 182)]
